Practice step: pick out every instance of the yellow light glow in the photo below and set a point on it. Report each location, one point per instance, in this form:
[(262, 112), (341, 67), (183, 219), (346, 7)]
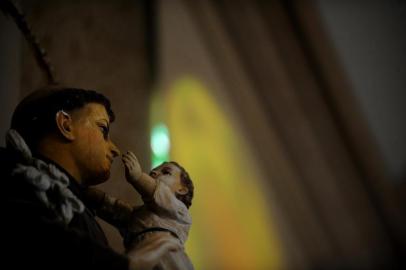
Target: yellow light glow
[(231, 227)]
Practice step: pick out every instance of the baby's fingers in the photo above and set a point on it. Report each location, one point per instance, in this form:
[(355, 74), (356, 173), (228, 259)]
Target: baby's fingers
[(127, 162), (132, 156)]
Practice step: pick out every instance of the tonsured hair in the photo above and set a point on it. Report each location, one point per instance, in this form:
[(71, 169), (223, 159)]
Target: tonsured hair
[(34, 116)]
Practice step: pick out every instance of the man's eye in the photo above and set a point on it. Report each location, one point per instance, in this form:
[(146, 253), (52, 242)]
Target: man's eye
[(105, 131)]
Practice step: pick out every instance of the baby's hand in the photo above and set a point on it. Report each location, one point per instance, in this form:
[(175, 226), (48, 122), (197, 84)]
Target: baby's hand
[(132, 167)]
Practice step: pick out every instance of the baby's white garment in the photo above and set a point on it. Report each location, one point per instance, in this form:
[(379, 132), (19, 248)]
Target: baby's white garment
[(163, 211)]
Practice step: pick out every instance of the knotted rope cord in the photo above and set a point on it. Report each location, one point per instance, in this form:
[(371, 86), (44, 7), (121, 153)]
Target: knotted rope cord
[(48, 182)]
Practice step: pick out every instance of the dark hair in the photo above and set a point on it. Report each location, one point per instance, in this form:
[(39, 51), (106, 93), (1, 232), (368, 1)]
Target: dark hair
[(34, 116), (187, 181)]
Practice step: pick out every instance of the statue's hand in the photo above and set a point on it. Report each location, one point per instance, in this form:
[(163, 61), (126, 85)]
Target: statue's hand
[(146, 255)]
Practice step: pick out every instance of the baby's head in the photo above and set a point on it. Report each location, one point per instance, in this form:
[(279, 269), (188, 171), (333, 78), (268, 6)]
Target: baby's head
[(178, 180)]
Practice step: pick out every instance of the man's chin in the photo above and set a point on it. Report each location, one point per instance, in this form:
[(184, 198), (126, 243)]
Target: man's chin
[(99, 178)]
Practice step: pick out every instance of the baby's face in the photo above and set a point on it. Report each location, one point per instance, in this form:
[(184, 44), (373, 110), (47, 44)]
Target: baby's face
[(170, 174)]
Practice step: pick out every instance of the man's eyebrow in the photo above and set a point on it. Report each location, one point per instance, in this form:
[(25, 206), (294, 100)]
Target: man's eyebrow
[(103, 120)]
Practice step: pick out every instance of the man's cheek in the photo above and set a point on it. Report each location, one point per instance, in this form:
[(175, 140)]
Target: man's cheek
[(94, 138)]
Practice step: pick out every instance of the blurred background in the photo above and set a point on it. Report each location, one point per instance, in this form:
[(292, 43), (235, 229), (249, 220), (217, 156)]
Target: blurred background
[(288, 115)]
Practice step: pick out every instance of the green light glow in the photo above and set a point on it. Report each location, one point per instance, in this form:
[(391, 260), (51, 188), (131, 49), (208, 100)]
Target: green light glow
[(160, 140), (156, 161)]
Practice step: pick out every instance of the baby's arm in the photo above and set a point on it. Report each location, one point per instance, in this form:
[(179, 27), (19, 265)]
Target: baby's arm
[(113, 210), (141, 181)]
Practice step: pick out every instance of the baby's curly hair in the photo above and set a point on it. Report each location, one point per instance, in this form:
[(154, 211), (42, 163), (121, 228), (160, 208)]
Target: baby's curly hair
[(187, 181)]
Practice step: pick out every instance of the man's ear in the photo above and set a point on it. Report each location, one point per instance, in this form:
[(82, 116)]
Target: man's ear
[(182, 190), (64, 124)]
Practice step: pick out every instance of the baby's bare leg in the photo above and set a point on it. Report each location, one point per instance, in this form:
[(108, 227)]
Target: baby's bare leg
[(113, 210)]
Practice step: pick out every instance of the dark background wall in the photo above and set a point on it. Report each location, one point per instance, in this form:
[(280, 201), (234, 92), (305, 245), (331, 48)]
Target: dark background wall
[(10, 69), (370, 41)]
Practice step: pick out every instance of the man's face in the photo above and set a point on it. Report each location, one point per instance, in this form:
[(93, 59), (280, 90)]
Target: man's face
[(170, 174), (93, 151)]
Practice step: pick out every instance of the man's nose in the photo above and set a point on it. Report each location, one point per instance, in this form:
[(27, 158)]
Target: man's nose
[(114, 150)]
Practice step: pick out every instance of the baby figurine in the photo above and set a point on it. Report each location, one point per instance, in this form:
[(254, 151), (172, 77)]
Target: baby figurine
[(167, 193)]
